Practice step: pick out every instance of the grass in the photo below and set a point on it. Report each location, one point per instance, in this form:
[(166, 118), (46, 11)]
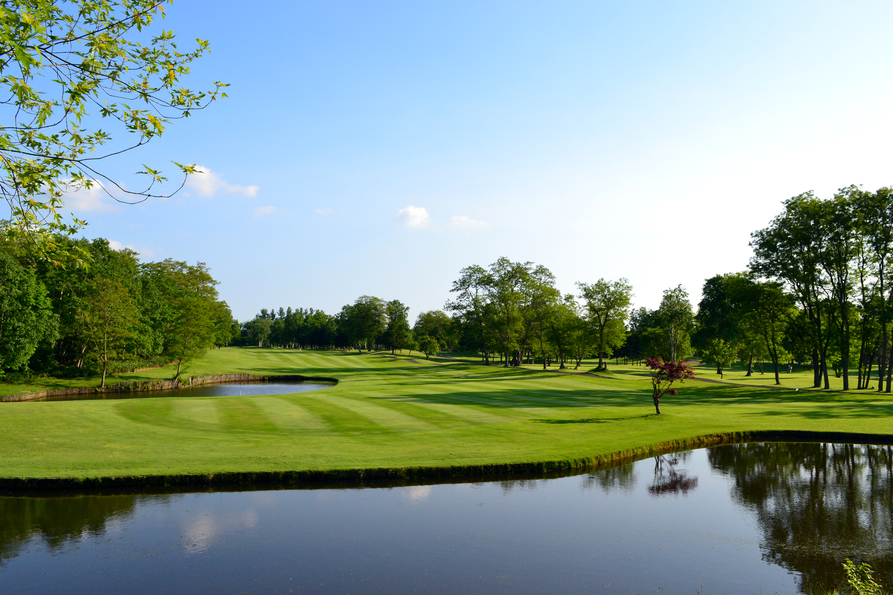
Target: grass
[(399, 413)]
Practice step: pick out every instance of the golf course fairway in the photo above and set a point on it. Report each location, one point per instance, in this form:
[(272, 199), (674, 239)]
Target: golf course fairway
[(397, 418)]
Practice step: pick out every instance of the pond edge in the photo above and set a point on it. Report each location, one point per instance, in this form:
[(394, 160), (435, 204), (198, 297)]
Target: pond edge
[(156, 385), (394, 477)]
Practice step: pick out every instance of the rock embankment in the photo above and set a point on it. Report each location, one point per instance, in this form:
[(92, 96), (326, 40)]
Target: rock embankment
[(152, 385)]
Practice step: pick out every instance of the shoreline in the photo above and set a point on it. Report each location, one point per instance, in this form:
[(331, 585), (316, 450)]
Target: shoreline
[(397, 477), (162, 385)]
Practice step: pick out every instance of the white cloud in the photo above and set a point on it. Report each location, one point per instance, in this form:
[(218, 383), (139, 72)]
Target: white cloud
[(261, 211), (324, 212), (88, 200), (468, 223), (414, 216), (210, 184)]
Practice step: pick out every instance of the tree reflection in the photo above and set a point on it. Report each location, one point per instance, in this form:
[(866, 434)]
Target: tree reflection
[(57, 520), (621, 478), (669, 480), (817, 505)]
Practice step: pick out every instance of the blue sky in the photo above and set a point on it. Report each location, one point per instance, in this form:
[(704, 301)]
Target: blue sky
[(378, 148)]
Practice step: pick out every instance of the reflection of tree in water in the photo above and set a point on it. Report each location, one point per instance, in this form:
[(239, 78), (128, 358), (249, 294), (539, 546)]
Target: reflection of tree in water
[(817, 505), (668, 479), (56, 520), (621, 478)]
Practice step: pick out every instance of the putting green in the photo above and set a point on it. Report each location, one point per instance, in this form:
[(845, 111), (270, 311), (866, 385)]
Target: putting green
[(397, 414)]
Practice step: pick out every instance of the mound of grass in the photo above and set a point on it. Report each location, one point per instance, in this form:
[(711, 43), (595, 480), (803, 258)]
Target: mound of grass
[(397, 413)]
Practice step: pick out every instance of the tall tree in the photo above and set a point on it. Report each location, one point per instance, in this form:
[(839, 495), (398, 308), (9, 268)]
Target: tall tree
[(397, 332), (471, 303), (365, 320), (192, 294), (790, 250), (26, 315), (874, 217), (541, 301), (110, 318), (607, 306), (841, 247), (507, 282), (676, 319), (437, 324)]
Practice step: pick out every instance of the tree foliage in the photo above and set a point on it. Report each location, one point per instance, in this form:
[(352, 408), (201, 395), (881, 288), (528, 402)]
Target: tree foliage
[(66, 67), (663, 375), (26, 316), (607, 307)]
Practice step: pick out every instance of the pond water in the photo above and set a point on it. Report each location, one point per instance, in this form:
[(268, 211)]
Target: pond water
[(750, 518), (229, 389)]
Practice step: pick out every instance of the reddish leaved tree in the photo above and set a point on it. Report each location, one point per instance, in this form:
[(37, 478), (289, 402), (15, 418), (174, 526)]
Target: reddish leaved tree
[(663, 375)]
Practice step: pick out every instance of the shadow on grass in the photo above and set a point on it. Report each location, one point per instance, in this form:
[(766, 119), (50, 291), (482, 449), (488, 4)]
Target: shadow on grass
[(837, 410), (589, 420)]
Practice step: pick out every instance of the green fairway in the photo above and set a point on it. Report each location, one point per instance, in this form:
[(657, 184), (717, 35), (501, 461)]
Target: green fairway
[(398, 413)]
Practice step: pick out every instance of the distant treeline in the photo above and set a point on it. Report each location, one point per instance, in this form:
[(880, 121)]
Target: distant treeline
[(99, 310), (819, 292)]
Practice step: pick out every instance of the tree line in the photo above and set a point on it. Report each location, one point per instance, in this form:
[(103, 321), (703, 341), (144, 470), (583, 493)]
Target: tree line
[(818, 292), (104, 311)]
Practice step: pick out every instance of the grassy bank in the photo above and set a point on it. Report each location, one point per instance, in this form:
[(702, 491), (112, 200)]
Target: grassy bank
[(397, 414)]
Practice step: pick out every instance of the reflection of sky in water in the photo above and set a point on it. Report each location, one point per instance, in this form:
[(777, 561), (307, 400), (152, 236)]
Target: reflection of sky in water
[(244, 389), (416, 493), (602, 532)]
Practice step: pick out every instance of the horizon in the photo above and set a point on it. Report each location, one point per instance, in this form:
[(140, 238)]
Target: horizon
[(377, 150)]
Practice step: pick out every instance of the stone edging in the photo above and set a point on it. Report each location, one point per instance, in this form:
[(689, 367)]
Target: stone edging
[(153, 385)]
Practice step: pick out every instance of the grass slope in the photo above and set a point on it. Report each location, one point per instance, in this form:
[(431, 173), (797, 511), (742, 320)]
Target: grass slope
[(397, 413)]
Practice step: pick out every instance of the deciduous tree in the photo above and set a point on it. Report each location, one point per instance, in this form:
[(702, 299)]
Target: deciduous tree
[(66, 66), (663, 375), (607, 308)]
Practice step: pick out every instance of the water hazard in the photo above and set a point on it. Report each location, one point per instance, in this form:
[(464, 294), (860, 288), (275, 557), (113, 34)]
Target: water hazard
[(770, 518), (229, 389)]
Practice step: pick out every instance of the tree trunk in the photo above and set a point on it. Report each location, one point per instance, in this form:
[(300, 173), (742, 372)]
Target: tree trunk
[(882, 358), (657, 405), (816, 369), (750, 366)]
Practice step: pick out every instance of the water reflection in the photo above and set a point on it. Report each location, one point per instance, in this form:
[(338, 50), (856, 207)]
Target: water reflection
[(723, 514), (57, 521), (227, 389), (816, 505), (670, 480)]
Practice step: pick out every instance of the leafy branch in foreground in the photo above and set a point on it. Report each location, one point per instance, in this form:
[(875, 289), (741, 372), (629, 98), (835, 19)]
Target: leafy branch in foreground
[(62, 64)]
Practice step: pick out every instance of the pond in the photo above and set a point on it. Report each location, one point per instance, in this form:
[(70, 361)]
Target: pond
[(749, 518), (229, 389)]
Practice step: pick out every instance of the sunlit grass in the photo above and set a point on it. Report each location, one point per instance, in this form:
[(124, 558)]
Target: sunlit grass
[(397, 413)]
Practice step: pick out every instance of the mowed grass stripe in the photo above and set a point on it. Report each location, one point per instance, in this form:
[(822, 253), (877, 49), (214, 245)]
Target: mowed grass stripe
[(469, 414), (432, 416), (377, 410), (289, 415), (467, 398), (547, 394), (195, 413), (342, 420), (148, 411), (241, 414)]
